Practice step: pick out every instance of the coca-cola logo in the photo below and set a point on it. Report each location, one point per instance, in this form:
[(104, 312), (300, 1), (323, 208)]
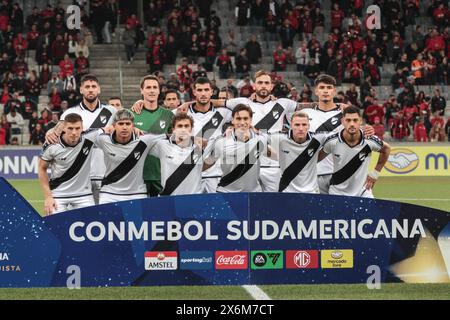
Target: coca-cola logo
[(231, 259)]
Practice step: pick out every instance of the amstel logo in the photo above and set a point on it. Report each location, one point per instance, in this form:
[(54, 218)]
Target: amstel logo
[(402, 161)]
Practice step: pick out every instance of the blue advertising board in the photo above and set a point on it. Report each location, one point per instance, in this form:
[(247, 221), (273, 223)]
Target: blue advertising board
[(20, 163), (223, 239)]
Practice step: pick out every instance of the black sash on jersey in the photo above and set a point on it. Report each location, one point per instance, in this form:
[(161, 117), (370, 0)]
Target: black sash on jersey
[(211, 126), (330, 124), (126, 165), (350, 168), (76, 166), (271, 118), (241, 168), (298, 164), (181, 172), (104, 115)]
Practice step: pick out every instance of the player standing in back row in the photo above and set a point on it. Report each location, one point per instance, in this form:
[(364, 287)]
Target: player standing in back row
[(95, 115)]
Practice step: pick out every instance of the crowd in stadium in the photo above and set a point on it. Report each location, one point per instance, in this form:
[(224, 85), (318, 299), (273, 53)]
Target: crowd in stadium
[(354, 55)]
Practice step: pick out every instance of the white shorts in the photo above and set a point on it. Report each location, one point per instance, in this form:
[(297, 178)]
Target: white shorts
[(324, 183), (109, 197), (209, 185), (269, 178), (69, 203)]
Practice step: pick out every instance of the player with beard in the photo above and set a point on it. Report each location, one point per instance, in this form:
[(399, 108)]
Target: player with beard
[(351, 152), (95, 115)]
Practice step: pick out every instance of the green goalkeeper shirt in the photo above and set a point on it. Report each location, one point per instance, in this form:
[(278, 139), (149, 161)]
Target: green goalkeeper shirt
[(157, 121)]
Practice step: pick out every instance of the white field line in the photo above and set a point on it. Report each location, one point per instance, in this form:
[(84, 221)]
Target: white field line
[(417, 199), (256, 292)]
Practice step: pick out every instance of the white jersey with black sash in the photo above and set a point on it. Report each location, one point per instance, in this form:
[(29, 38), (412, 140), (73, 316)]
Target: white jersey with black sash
[(70, 166), (350, 163), (240, 162), (267, 117), (181, 167), (324, 122), (100, 117), (298, 161), (210, 125), (125, 163)]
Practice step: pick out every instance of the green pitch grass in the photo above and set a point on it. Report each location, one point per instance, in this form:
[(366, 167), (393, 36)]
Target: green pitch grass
[(425, 191)]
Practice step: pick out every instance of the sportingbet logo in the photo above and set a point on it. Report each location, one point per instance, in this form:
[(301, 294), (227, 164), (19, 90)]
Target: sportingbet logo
[(302, 259), (336, 259), (196, 260), (267, 259), (231, 259), (161, 260)]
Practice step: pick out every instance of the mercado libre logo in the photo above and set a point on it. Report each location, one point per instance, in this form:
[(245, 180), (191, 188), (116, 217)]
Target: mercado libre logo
[(402, 161), (6, 265)]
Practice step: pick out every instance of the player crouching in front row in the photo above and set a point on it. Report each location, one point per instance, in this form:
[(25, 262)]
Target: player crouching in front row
[(70, 162), (351, 157)]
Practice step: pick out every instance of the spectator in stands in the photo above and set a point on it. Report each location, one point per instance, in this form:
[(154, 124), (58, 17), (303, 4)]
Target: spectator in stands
[(378, 126), (184, 73), (52, 123), (242, 12), (270, 25), (55, 99), (447, 129), (194, 48), (66, 66), (438, 102), (354, 70), (171, 50), (16, 121), (37, 136), (418, 69), (279, 59), (287, 34), (20, 44), (444, 72), (32, 37), (17, 18), (224, 64), (399, 128), (56, 82), (59, 49), (81, 66), (254, 51), (302, 56), (44, 75), (259, 11), (33, 87), (128, 40), (19, 84), (19, 66), (242, 63), (420, 131), (33, 121), (372, 69), (5, 130), (336, 68), (374, 111), (231, 43)]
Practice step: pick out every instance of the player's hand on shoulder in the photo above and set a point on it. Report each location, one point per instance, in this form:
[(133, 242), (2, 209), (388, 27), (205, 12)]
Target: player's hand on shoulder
[(184, 108), (51, 136), (138, 132), (368, 130), (344, 106), (138, 106), (108, 129)]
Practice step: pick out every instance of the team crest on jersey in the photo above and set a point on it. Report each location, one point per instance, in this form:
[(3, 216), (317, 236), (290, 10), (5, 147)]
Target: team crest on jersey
[(362, 156), (275, 114), (310, 152), (215, 121), (103, 119), (137, 155), (162, 124), (86, 151), (256, 153), (334, 121)]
